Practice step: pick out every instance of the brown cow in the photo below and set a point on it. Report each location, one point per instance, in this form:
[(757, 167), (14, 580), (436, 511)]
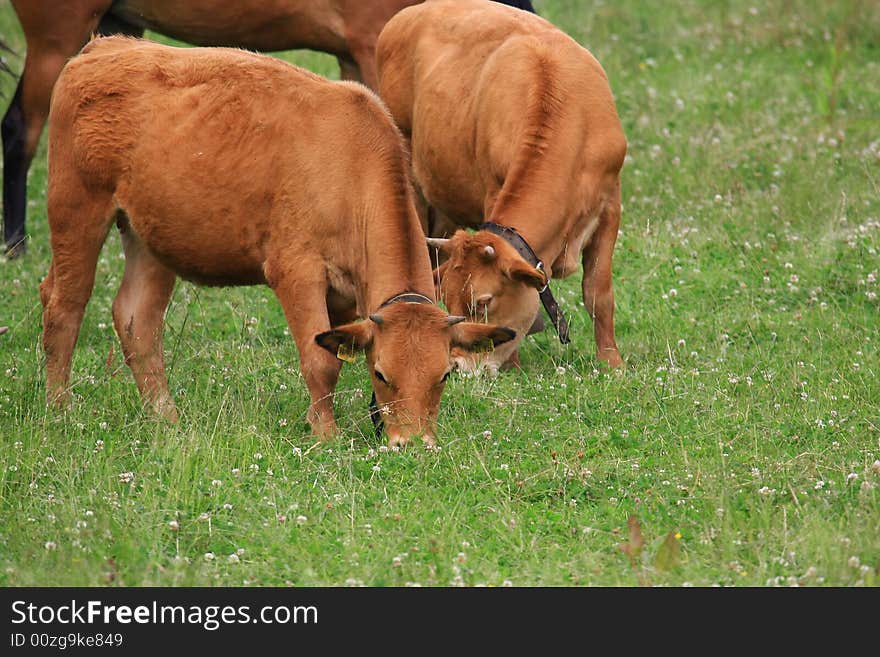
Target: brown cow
[(230, 168), (513, 123)]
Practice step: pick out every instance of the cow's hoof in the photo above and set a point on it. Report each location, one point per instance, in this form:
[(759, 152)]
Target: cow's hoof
[(15, 250), (398, 441), (611, 360), (167, 411), (324, 436)]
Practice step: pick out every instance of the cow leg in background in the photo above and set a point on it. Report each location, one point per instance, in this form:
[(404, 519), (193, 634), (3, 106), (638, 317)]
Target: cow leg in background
[(303, 296), (15, 167), (51, 41), (138, 315), (80, 223), (597, 288), (365, 58), (363, 23), (54, 32), (348, 70)]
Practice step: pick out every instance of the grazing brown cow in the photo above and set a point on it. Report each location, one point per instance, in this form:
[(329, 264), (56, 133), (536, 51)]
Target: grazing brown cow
[(230, 168), (511, 123)]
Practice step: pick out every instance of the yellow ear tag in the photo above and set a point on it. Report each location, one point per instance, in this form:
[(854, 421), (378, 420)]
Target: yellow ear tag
[(347, 353), (486, 347)]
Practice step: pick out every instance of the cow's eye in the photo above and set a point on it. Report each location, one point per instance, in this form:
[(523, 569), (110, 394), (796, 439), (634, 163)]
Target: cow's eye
[(381, 377)]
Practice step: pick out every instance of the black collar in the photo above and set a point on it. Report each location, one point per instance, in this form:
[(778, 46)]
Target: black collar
[(512, 236), (406, 297)]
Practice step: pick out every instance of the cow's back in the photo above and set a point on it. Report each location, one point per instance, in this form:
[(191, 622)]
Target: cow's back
[(472, 81), (219, 150), (125, 95)]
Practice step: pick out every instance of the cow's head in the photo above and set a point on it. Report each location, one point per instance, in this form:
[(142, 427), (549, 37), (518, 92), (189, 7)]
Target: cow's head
[(485, 279), (408, 350)]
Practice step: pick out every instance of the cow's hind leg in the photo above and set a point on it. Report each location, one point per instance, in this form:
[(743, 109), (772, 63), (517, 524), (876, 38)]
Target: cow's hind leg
[(138, 316), (303, 296), (79, 225), (597, 287)]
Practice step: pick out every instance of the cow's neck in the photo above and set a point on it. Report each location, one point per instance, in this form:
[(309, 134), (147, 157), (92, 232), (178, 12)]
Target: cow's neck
[(396, 259), (541, 218)]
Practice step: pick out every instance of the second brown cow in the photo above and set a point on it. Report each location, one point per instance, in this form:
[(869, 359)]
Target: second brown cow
[(513, 123)]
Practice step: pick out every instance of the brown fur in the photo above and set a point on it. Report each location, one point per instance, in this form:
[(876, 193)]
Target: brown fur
[(510, 121), (231, 168)]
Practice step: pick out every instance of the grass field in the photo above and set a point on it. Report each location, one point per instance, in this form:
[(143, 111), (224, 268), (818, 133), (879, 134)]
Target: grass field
[(744, 433)]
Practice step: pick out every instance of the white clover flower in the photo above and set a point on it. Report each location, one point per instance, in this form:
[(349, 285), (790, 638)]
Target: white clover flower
[(233, 558), (174, 525), (126, 477), (209, 556), (301, 520)]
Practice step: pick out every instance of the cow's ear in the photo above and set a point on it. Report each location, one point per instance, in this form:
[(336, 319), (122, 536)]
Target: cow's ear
[(344, 341), (520, 270), (474, 337)]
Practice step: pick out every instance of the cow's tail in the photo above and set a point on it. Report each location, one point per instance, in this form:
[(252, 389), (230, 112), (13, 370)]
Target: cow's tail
[(525, 5)]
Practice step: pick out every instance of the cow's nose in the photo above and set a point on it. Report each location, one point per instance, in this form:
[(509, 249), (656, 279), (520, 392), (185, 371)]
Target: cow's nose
[(401, 435)]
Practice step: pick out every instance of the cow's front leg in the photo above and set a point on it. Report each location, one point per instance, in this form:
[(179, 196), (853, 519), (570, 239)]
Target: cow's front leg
[(597, 286), (303, 296)]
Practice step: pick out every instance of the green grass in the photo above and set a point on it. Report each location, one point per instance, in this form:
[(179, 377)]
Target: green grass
[(747, 419)]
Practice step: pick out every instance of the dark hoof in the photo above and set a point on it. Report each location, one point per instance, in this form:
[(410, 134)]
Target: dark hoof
[(16, 249)]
